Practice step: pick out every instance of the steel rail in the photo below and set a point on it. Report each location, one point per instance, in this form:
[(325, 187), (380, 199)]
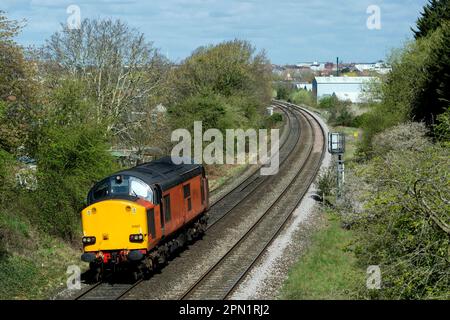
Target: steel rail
[(206, 274)]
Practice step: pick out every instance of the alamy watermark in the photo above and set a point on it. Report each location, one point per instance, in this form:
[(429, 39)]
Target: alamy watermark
[(374, 19), (235, 147), (373, 277), (74, 279), (74, 18)]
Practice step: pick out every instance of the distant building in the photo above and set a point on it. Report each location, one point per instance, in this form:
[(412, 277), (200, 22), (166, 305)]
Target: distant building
[(314, 66), (345, 88), (379, 67), (303, 85)]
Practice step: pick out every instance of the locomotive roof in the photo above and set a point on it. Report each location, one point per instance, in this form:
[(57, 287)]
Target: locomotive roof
[(163, 172)]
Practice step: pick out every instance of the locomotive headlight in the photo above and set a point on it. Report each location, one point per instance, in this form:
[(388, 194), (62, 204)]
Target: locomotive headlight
[(136, 237), (88, 240)]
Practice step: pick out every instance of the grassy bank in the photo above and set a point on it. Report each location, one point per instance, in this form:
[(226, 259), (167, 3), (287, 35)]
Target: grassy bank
[(34, 263), (328, 270)]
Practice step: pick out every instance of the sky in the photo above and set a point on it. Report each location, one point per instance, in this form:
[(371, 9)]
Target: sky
[(291, 31)]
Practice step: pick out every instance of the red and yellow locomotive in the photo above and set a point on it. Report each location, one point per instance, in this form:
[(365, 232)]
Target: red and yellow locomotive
[(137, 217)]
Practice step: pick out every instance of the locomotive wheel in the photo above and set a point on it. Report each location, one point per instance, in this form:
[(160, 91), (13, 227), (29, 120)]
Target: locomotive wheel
[(137, 274), (95, 274)]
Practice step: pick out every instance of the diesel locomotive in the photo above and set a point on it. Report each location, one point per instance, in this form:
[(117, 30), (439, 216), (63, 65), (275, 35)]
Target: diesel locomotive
[(136, 218)]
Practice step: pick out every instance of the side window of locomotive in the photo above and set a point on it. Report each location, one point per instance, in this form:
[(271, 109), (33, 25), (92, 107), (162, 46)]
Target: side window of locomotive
[(101, 191), (187, 191), (140, 189), (167, 207), (202, 190), (151, 222), (187, 195)]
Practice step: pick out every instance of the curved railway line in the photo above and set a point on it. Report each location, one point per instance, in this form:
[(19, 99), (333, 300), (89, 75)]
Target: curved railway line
[(221, 278), (219, 281)]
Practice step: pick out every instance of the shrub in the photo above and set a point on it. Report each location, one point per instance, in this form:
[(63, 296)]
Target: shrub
[(283, 91), (398, 204), (69, 159), (358, 121), (71, 151), (302, 97), (411, 136), (326, 182), (405, 229), (343, 118), (271, 121), (442, 129)]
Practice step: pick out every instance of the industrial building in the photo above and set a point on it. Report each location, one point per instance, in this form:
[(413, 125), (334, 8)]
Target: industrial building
[(345, 88)]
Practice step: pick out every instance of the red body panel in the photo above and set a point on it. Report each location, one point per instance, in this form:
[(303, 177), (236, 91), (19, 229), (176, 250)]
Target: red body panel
[(180, 215)]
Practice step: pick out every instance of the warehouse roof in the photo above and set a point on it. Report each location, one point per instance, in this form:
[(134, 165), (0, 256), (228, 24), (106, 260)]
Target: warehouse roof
[(346, 80)]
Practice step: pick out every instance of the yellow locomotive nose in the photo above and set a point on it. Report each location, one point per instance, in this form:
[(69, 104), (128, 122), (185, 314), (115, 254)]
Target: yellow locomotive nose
[(111, 223)]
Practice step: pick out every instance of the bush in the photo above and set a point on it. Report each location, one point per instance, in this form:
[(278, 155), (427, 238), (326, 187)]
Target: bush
[(283, 91), (302, 97), (442, 129), (406, 226), (328, 102), (343, 118), (71, 151), (326, 182), (271, 121), (398, 205), (411, 136), (70, 160), (358, 120)]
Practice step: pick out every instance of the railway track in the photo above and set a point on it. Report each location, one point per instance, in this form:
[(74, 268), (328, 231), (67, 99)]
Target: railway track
[(231, 200), (220, 280), (109, 290)]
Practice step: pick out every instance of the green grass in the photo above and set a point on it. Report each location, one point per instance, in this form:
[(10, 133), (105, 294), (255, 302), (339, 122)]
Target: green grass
[(328, 270), (32, 264)]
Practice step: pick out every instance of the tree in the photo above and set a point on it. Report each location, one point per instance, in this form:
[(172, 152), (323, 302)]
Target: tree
[(229, 68), (122, 71), (417, 88), (442, 128), (225, 86), (71, 153), (17, 87), (433, 97), (283, 91), (434, 14)]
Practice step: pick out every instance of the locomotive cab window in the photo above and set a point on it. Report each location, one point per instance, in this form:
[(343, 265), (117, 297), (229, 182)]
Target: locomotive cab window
[(123, 186), (101, 191), (140, 189)]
